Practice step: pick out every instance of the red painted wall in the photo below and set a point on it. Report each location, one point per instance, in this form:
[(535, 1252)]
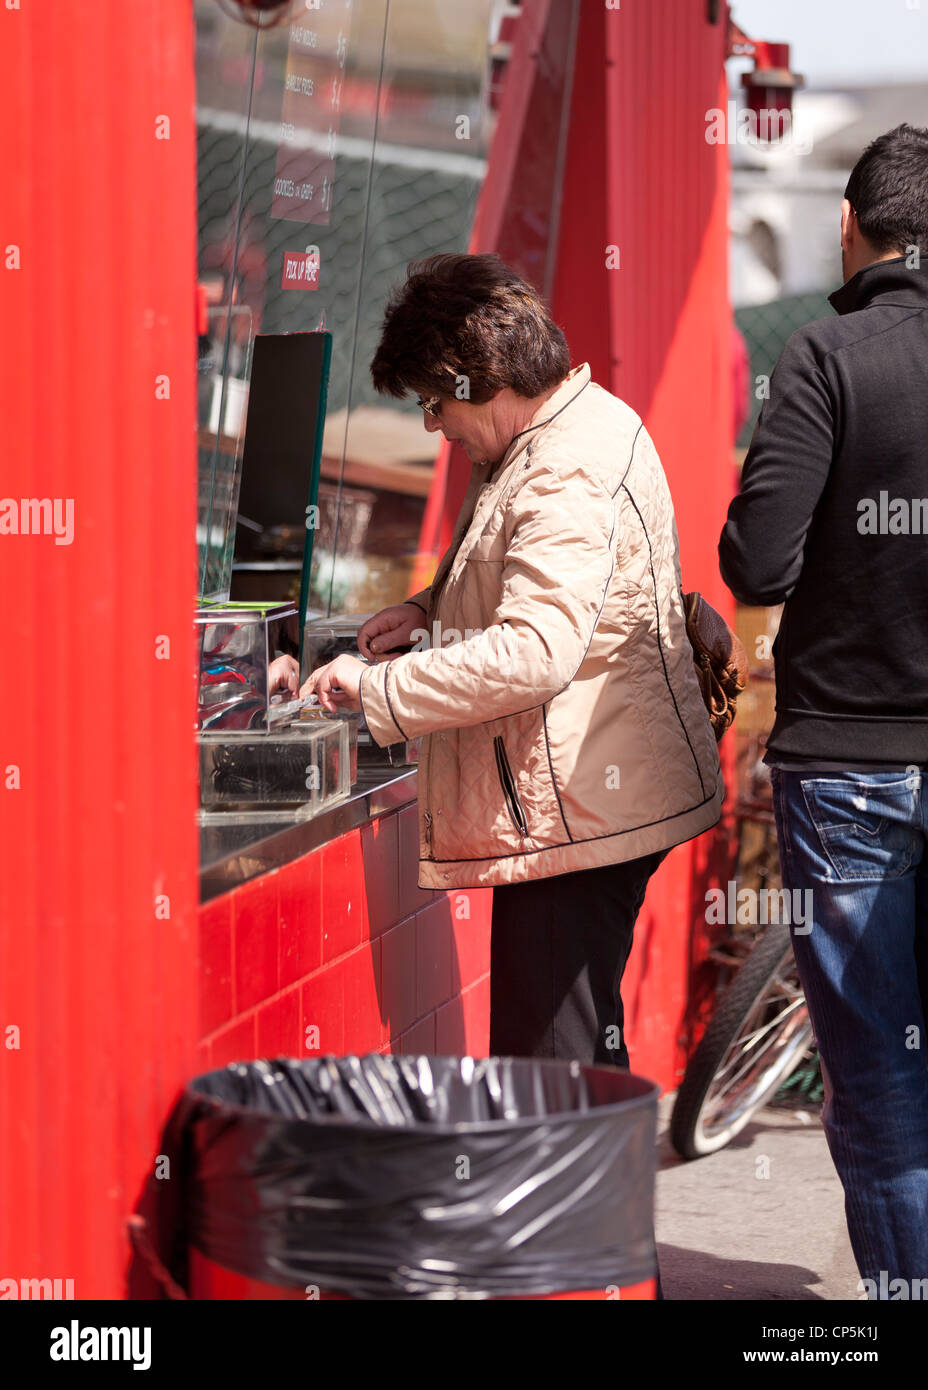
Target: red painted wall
[(657, 330), (98, 883), (345, 941)]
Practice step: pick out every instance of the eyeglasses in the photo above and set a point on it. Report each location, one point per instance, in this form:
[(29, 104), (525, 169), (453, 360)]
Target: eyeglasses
[(431, 407)]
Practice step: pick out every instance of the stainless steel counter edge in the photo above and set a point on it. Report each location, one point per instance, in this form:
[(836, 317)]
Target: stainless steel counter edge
[(254, 850)]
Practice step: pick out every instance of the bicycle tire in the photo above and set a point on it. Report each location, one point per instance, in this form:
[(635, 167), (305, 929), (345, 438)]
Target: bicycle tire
[(745, 991)]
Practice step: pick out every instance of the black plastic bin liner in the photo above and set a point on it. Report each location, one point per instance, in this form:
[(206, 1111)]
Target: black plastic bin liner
[(419, 1177)]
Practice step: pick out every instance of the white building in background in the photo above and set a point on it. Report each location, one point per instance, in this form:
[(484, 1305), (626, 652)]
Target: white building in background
[(786, 199)]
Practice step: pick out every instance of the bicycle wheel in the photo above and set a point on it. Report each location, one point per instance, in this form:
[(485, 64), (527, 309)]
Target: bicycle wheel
[(759, 1033)]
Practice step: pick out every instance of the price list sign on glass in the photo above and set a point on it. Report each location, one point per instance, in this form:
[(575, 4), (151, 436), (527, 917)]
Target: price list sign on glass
[(310, 112)]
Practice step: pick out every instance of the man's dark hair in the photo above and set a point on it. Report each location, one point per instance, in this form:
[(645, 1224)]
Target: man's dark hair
[(468, 317), (888, 190)]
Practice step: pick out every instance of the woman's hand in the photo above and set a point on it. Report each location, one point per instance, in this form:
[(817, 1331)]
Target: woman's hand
[(283, 674), (337, 684), (389, 629)]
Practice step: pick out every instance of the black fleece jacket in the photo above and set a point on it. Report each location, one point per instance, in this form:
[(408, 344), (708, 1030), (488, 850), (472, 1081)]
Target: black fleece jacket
[(832, 519)]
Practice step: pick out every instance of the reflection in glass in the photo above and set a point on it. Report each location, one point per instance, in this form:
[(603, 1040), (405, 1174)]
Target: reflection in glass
[(223, 367)]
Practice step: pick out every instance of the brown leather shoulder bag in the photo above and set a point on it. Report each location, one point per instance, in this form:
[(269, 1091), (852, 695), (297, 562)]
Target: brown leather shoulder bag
[(720, 660)]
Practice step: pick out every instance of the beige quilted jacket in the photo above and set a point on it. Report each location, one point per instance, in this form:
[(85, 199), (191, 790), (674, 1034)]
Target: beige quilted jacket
[(564, 725)]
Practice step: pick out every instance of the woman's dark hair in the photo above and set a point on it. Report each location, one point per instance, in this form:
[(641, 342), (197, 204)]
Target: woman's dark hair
[(468, 319), (888, 190)]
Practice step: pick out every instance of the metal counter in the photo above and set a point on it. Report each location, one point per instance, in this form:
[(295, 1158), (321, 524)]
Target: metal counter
[(233, 854)]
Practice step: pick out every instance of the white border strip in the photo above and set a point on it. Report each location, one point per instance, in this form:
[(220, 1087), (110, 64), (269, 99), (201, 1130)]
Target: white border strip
[(406, 155)]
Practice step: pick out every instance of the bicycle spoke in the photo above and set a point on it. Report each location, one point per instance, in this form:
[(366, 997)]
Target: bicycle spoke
[(740, 1083), (773, 1034), (754, 1063)]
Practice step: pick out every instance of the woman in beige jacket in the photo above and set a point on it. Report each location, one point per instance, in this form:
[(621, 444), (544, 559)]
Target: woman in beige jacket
[(566, 747)]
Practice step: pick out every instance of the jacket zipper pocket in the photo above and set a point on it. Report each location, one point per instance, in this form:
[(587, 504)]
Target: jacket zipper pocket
[(428, 831), (508, 784)]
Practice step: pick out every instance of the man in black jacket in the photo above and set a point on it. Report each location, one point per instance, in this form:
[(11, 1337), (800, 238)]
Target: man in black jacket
[(832, 521)]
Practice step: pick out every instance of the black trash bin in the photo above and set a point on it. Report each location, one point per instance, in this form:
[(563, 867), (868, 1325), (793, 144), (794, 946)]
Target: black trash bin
[(406, 1177)]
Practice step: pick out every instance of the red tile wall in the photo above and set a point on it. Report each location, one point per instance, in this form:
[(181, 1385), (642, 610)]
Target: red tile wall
[(342, 952)]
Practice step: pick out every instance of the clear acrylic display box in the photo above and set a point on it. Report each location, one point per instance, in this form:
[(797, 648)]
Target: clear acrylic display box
[(288, 775), (311, 715), (326, 638), (323, 640), (237, 644)]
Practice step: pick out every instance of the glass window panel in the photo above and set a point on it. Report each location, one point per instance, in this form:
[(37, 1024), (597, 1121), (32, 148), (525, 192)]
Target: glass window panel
[(428, 165), (333, 150), (225, 59)]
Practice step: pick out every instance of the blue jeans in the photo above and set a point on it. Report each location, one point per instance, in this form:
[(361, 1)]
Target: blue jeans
[(858, 841)]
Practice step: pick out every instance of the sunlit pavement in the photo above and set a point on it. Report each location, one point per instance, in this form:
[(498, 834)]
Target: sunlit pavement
[(725, 1231)]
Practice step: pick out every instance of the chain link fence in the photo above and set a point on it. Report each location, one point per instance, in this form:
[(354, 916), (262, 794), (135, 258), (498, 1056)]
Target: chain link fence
[(766, 328), (419, 204)]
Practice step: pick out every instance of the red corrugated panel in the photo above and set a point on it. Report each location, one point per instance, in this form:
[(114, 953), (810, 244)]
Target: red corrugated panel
[(95, 974)]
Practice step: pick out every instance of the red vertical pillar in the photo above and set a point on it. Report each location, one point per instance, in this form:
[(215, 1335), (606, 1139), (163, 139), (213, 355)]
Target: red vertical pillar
[(642, 263), (98, 572)]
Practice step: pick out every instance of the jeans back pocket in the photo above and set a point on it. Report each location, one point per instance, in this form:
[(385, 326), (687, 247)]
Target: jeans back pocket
[(869, 828)]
